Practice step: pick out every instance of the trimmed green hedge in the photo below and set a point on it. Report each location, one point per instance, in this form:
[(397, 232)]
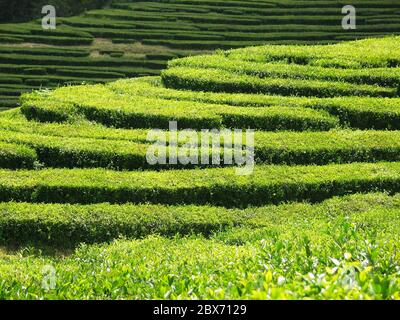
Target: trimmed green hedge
[(45, 51), (357, 112), (337, 146), (14, 156), (372, 76), (353, 55), (68, 225), (289, 239), (184, 78), (70, 146), (14, 121), (80, 152), (79, 61), (98, 103), (268, 184)]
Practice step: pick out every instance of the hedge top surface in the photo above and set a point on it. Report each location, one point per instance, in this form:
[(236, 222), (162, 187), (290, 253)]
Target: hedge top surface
[(354, 55), (176, 179), (101, 104), (94, 223), (152, 87), (333, 70)]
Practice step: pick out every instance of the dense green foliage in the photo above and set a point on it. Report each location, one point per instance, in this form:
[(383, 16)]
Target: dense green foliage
[(317, 218), (86, 145), (64, 225), (219, 80), (342, 249), (133, 38), (372, 76), (268, 184), (15, 156), (357, 112), (294, 71), (112, 109)]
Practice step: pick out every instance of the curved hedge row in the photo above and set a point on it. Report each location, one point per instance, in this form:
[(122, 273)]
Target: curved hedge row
[(15, 156), (88, 146), (65, 225), (104, 106), (368, 53), (348, 69), (357, 112), (372, 76), (216, 80), (217, 186)]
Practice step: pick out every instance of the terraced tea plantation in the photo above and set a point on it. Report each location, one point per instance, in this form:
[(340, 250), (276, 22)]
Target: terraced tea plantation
[(85, 215), (136, 38)]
